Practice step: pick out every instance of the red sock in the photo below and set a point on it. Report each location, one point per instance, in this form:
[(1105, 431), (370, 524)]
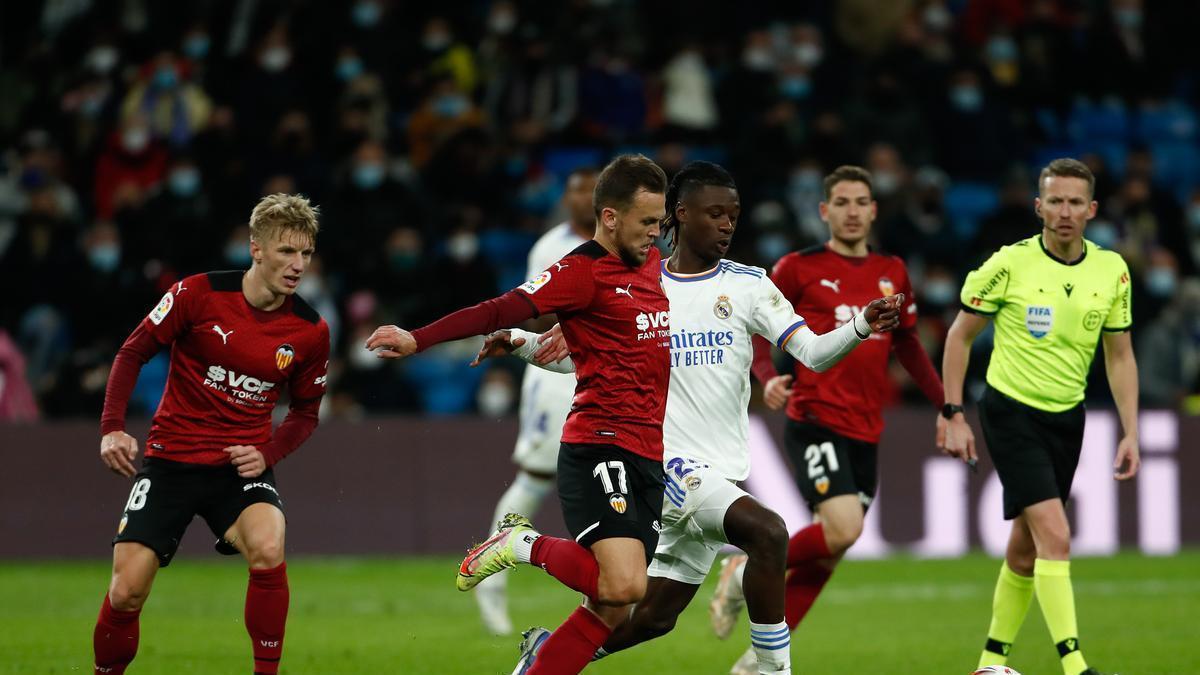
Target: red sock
[(806, 545), (115, 640), (266, 615), (568, 562), (804, 584), (570, 648)]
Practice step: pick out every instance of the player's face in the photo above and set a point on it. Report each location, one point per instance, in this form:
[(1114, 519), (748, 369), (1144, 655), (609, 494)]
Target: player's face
[(1065, 207), (636, 229), (849, 212), (707, 217), (578, 198), (283, 259)]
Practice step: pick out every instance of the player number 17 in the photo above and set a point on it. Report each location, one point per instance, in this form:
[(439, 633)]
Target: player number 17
[(601, 471)]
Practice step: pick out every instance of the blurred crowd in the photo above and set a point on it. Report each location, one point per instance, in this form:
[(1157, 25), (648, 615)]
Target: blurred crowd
[(136, 136)]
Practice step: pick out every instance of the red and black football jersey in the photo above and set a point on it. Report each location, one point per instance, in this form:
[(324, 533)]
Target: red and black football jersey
[(828, 289), (617, 321), (229, 363)]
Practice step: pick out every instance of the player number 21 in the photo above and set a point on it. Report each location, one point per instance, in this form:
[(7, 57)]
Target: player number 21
[(813, 455), (137, 496), (601, 471)]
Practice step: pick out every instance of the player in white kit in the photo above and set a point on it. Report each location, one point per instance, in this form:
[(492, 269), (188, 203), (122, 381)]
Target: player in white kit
[(716, 307), (545, 399)]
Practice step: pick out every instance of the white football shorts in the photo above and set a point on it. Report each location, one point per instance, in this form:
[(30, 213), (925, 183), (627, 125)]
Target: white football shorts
[(693, 520)]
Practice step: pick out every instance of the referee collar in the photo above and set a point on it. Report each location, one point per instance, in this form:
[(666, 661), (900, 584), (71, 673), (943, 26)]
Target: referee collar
[(1060, 260)]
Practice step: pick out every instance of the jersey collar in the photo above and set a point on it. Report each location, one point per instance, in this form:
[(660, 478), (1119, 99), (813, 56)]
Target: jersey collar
[(1059, 260), (699, 276)]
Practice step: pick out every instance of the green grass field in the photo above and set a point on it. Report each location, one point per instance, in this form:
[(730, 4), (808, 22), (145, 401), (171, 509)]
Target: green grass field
[(1138, 616)]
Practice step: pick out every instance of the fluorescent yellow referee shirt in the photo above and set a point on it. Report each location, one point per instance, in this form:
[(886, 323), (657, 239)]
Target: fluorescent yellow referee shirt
[(1048, 316)]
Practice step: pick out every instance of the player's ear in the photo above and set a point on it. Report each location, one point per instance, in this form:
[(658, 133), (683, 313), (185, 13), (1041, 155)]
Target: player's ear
[(1037, 206), (255, 251)]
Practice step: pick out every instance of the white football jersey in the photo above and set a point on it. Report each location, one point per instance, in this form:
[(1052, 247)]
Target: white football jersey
[(541, 389), (714, 314)]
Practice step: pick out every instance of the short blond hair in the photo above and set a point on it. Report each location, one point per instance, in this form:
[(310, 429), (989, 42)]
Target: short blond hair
[(283, 212)]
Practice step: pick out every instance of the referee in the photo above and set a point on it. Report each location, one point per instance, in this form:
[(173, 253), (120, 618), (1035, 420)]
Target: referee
[(1052, 297)]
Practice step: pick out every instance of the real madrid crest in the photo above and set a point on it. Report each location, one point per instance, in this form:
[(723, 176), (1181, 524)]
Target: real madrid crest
[(886, 287), (723, 309), (284, 356)]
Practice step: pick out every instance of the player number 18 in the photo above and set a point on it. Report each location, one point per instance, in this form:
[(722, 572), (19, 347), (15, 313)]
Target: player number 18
[(137, 496)]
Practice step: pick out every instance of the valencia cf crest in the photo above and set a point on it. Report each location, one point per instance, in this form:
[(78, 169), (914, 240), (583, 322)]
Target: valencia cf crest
[(284, 356), (723, 309), (886, 287), (618, 503), (822, 485), (122, 524)]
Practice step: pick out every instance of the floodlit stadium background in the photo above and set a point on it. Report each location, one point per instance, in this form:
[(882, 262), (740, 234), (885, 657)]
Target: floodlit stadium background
[(136, 136)]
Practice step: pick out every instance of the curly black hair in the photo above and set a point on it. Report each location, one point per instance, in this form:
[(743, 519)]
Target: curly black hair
[(693, 175)]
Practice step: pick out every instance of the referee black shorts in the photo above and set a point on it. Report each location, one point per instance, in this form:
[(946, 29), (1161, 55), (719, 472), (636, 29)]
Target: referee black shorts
[(1035, 452), (607, 491)]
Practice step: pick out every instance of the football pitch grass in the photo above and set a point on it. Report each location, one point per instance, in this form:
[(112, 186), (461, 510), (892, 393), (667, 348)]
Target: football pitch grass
[(1137, 616)]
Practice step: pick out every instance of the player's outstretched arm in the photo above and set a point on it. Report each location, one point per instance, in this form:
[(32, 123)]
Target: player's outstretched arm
[(511, 308), (822, 352), (548, 351), (954, 436), (1121, 367)]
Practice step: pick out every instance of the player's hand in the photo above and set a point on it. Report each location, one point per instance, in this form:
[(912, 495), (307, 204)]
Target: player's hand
[(117, 450), (959, 441), (392, 342), (777, 392), (883, 314), (552, 346), (1128, 457), (249, 461), (496, 344)]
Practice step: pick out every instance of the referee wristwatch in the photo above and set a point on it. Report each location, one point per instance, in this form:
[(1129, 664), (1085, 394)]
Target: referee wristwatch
[(950, 410)]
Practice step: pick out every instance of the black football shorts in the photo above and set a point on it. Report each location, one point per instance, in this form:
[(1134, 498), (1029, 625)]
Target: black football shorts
[(826, 464), (607, 491), (1035, 452), (166, 495)]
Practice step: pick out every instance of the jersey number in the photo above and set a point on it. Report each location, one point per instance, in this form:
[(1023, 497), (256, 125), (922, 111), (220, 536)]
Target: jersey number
[(813, 455), (137, 496), (601, 471)]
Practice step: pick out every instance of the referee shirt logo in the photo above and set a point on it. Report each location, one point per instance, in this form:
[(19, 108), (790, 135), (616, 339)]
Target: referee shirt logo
[(1039, 319)]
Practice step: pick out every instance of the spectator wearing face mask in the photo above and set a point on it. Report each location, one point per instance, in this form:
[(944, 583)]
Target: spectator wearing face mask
[(175, 107), (367, 205), (975, 140), (1169, 351), (129, 166), (177, 222), (471, 278), (446, 110)]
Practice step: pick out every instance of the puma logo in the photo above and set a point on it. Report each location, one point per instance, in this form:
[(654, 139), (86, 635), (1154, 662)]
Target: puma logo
[(624, 291), (560, 267), (832, 284), (223, 334)]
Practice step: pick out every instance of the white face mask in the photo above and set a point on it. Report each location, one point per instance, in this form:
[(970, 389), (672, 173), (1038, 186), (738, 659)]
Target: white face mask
[(135, 140), (807, 54), (462, 247), (494, 399), (275, 59)]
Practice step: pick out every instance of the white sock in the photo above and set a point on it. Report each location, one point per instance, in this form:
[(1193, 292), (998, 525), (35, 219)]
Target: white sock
[(772, 644), (524, 496)]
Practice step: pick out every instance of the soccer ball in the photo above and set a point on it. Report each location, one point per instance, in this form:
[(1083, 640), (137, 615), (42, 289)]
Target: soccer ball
[(995, 670)]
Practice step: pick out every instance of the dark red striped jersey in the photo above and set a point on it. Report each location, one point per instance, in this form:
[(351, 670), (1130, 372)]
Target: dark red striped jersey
[(828, 289), (229, 364), (617, 321)]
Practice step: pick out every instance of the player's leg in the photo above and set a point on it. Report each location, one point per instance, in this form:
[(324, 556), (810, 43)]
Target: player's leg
[(115, 638), (612, 503), (247, 516), (762, 534), (159, 508), (544, 408), (654, 616), (1013, 594)]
